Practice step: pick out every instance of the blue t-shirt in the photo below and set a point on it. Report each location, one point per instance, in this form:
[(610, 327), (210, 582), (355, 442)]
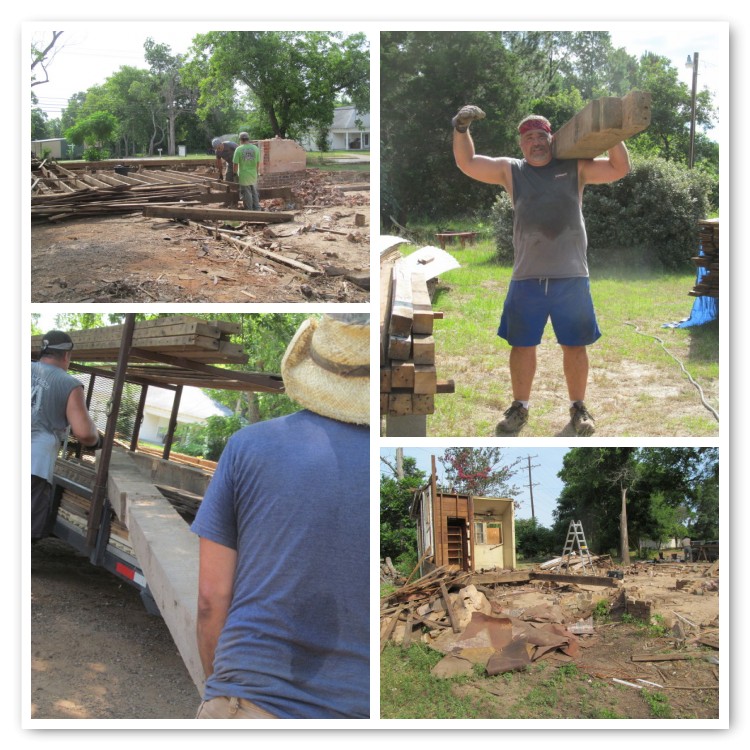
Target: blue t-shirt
[(292, 496)]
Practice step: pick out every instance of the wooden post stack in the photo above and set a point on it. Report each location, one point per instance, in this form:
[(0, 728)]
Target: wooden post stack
[(708, 235), (408, 377)]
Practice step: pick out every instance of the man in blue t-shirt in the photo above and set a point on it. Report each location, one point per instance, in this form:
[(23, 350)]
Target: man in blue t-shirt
[(283, 593), (550, 278)]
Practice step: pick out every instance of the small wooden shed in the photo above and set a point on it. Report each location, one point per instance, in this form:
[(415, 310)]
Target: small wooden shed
[(474, 533)]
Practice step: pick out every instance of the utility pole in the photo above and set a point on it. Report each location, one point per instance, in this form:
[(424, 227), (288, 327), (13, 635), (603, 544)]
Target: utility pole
[(399, 463), (531, 485)]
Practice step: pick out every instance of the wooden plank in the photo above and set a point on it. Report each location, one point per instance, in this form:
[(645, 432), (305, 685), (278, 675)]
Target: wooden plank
[(422, 403), (422, 305), (400, 323), (399, 404), (425, 379), (167, 552), (386, 298), (601, 124), (399, 347), (217, 214), (583, 580), (449, 608), (402, 375), (423, 349)]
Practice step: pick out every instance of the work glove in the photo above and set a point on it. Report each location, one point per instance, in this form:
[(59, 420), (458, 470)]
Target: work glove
[(465, 116)]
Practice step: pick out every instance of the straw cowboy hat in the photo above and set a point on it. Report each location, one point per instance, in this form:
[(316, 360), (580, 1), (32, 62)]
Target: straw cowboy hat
[(326, 367)]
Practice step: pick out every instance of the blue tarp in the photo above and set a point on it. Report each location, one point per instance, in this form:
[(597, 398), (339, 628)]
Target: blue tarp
[(705, 309)]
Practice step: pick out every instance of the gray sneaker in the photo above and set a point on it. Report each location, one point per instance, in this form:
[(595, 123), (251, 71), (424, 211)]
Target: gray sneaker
[(515, 418), (582, 421)]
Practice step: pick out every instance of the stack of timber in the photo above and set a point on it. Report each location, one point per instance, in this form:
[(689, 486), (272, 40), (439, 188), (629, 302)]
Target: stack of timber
[(189, 338), (708, 236), (408, 377), (58, 193)]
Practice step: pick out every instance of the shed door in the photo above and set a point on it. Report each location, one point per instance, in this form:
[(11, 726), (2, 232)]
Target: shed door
[(457, 543)]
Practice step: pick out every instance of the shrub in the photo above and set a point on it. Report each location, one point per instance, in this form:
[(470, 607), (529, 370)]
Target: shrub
[(648, 218), (94, 153)]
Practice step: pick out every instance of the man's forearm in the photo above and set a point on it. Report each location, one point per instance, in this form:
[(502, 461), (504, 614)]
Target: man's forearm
[(209, 626), (619, 158)]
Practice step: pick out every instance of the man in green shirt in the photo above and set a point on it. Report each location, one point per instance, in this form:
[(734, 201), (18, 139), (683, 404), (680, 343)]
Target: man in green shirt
[(246, 166)]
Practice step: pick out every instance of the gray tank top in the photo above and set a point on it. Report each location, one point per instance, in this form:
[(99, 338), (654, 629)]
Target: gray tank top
[(549, 236), (50, 388)]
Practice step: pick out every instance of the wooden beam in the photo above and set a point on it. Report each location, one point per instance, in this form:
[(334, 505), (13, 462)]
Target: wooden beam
[(601, 124), (167, 553), (218, 214), (583, 580)]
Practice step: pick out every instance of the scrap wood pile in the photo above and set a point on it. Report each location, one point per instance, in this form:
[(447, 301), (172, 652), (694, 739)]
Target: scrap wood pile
[(452, 616), (708, 236), (58, 193), (408, 376), (577, 563), (425, 601)]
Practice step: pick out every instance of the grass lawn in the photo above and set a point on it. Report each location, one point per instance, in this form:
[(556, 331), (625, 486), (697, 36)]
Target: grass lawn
[(635, 387)]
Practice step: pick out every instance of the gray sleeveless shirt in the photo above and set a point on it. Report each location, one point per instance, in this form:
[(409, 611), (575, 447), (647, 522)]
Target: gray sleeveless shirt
[(549, 236), (50, 388)]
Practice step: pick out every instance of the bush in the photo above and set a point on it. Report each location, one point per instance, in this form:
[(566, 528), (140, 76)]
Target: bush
[(94, 153), (648, 218)]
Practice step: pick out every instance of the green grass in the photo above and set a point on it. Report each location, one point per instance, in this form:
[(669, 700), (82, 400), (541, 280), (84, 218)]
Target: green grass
[(636, 386)]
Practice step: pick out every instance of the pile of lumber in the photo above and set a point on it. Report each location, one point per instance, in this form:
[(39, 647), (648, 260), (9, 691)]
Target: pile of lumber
[(574, 562), (189, 338), (708, 236), (58, 193), (408, 376), (416, 603)]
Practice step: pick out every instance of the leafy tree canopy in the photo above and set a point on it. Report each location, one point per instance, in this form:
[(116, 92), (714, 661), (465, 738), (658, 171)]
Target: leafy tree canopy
[(479, 472)]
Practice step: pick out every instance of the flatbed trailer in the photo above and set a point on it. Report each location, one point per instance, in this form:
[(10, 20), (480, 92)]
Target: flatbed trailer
[(128, 511)]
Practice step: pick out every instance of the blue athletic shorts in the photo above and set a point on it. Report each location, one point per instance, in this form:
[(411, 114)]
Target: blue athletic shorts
[(566, 302)]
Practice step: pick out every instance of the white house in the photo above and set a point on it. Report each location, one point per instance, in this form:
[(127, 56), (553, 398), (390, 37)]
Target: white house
[(350, 131), (195, 408)]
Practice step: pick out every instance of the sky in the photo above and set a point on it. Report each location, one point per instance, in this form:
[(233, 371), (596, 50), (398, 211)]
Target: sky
[(90, 52), (545, 464)]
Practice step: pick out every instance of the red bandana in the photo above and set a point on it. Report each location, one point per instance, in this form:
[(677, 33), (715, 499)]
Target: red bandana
[(534, 125)]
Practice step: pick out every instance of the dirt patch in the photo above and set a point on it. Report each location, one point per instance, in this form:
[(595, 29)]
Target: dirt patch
[(95, 651), (130, 258)]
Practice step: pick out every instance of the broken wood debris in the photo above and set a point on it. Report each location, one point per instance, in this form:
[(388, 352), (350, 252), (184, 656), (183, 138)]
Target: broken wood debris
[(408, 374)]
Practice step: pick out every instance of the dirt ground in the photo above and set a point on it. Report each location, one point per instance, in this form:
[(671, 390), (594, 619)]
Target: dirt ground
[(95, 651), (131, 258)]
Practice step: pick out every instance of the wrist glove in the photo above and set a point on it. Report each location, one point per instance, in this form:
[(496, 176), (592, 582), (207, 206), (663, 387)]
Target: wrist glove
[(465, 116)]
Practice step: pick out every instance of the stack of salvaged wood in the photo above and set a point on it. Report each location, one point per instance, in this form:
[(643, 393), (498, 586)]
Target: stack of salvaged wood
[(58, 193), (183, 336), (574, 562), (417, 602), (408, 376), (708, 236)]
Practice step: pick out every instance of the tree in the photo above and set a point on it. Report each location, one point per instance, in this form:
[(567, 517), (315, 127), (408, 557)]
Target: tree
[(398, 536), (534, 540), (425, 77), (176, 97), (97, 128), (43, 52), (668, 133), (294, 78), (479, 472)]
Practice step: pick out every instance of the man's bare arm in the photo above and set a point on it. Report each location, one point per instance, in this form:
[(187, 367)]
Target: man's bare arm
[(81, 424), (215, 586), (610, 169), (495, 171)]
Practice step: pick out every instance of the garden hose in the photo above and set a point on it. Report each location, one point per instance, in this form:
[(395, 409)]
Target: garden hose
[(689, 377)]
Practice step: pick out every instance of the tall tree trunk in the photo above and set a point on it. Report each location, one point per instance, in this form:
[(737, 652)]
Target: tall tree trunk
[(624, 545)]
